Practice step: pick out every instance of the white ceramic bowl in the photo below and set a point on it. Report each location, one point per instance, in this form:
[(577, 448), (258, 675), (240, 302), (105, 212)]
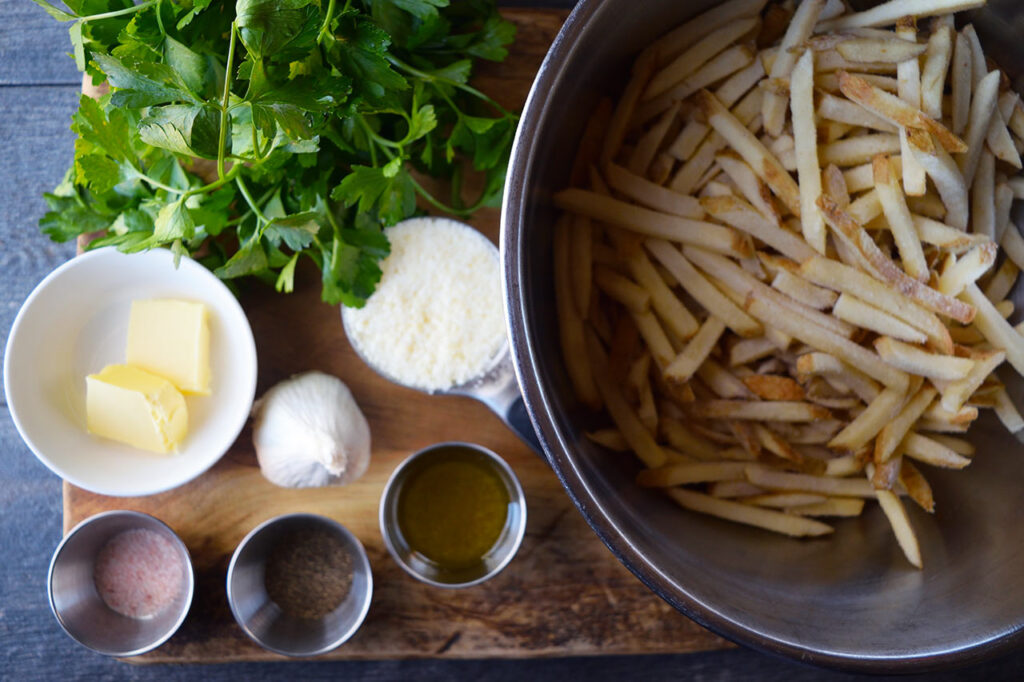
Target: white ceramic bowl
[(75, 323)]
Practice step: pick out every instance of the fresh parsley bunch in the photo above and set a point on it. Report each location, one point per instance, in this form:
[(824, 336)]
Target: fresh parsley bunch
[(248, 134)]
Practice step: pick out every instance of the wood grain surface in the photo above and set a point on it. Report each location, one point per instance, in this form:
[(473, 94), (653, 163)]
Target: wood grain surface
[(563, 594)]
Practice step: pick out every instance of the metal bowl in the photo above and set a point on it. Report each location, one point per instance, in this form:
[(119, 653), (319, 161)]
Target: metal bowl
[(264, 621), (850, 601), (78, 606), (424, 568)]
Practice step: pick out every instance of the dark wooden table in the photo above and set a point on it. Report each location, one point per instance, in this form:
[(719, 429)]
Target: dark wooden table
[(38, 91)]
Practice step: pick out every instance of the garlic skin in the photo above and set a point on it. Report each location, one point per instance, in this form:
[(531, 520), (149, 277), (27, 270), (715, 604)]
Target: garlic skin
[(308, 432)]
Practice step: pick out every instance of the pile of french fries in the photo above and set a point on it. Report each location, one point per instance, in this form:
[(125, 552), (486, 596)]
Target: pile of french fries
[(778, 265)]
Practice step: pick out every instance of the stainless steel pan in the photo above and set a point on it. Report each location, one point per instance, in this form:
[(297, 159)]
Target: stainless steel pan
[(850, 601)]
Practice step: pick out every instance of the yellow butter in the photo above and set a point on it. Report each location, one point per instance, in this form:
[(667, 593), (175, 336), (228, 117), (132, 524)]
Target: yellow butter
[(133, 406), (171, 338)]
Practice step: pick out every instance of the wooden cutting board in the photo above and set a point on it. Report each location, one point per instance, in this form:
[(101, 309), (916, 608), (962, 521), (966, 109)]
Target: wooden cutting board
[(564, 594)]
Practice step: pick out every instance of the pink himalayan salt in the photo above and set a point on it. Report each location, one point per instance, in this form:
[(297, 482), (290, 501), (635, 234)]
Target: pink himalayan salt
[(138, 573)]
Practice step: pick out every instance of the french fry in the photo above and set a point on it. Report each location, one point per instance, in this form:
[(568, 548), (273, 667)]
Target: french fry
[(835, 185), (998, 288), (887, 270), (777, 410), (632, 429), (803, 291), (829, 82), (732, 489), (824, 485), (1007, 411), (748, 350), (684, 440), (643, 68), (983, 107), (609, 438), (823, 364), (908, 82), (751, 149), (913, 360), (962, 83), (735, 212), (806, 150), (870, 422), (933, 73), (917, 486), (945, 237), (898, 216), (1003, 206), (833, 506), (652, 195), (652, 223), (956, 393), (858, 150), (900, 522), (773, 387), (891, 50), (997, 330), (1013, 245), (697, 55), (622, 289), (654, 336), (779, 522), (888, 12), (893, 433), (570, 325), (684, 474), (845, 279), (897, 111), (967, 269), (931, 450), (678, 39), (736, 278), (702, 290), (842, 110), (773, 109), (983, 197), (999, 141), (725, 64), (945, 173), (826, 340), (722, 381), (857, 312), (784, 500), (647, 146), (696, 352), (750, 185)]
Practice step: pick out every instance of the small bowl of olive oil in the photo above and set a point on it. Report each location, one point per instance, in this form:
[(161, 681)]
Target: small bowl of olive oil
[(453, 514)]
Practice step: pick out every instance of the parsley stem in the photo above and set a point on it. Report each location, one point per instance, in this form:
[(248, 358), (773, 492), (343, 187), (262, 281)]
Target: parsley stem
[(325, 28), (216, 184), (228, 73), (159, 20), (117, 13), (160, 185), (433, 201), (434, 78), (249, 200)]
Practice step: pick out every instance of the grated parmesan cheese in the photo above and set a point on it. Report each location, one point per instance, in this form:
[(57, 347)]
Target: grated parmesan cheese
[(436, 320)]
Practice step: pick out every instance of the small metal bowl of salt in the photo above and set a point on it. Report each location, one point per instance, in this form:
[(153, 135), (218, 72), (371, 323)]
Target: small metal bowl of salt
[(121, 583), (299, 584)]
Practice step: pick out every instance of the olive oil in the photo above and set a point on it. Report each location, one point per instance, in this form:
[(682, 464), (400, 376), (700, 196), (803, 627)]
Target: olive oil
[(453, 507)]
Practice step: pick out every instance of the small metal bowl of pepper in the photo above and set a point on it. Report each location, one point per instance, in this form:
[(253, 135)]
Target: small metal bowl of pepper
[(299, 584), (453, 514)]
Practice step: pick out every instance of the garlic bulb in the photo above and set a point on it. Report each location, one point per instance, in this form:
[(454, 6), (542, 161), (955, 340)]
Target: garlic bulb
[(309, 432)]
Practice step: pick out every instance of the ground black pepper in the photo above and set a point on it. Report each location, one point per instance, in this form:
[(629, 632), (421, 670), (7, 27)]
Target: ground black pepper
[(308, 573)]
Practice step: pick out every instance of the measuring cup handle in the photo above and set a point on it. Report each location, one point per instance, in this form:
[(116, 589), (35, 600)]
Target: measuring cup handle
[(518, 419)]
